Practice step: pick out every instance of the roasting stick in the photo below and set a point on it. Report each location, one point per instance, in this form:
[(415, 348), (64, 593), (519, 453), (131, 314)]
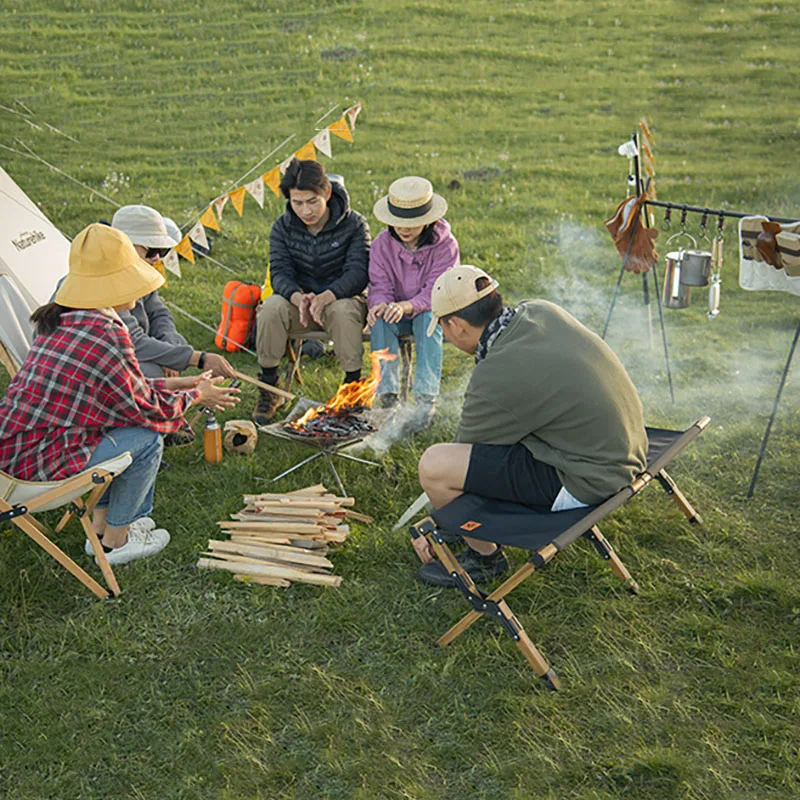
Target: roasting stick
[(243, 376)]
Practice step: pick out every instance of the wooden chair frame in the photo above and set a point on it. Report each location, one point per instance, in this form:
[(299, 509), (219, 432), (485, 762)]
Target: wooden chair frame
[(91, 485), (494, 605)]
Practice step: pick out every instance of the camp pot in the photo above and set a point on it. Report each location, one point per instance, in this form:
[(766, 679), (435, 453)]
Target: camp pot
[(676, 293), (695, 267)]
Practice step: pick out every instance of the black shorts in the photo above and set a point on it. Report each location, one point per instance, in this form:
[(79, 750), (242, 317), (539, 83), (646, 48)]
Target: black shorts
[(510, 472)]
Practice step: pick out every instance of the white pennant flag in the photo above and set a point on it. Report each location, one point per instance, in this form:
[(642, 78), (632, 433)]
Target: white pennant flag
[(171, 262), (219, 204), (322, 141), (198, 235), (628, 149), (256, 190), (284, 165), (352, 113)]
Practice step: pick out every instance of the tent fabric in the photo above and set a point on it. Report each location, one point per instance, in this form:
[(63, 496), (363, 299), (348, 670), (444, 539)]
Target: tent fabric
[(32, 250)]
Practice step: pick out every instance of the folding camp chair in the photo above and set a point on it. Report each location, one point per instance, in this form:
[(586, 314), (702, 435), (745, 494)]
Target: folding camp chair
[(16, 328), (546, 534), (20, 499)]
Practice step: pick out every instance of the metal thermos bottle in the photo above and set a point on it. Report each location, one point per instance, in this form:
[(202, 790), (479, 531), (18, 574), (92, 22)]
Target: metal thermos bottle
[(713, 296), (212, 440)]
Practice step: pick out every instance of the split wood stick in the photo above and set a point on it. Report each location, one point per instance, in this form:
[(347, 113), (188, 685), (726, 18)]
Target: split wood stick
[(282, 540), (270, 571), (297, 500), (318, 545), (289, 539), (279, 505), (237, 559), (319, 548), (357, 516), (293, 526), (289, 511), (243, 376), (262, 580), (259, 518), (317, 488), (273, 553)]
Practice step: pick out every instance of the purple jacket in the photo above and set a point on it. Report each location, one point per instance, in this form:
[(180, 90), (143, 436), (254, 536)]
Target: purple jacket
[(397, 274)]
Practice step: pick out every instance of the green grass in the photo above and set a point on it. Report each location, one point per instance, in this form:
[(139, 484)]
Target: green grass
[(193, 686)]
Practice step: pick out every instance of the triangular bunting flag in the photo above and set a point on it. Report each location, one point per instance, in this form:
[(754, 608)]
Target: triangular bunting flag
[(237, 198), (352, 113), (266, 289), (256, 190), (323, 142), (341, 129), (219, 204), (209, 220), (306, 152), (198, 235), (171, 262), (273, 180), (183, 248), (159, 267), (284, 165)]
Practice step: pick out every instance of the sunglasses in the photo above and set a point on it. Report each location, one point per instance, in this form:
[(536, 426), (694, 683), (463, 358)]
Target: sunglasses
[(156, 252)]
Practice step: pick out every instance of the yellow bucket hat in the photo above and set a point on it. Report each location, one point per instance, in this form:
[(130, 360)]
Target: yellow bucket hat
[(105, 271)]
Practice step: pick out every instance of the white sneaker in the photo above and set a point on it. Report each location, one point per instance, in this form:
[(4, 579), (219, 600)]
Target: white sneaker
[(143, 523), (140, 544)]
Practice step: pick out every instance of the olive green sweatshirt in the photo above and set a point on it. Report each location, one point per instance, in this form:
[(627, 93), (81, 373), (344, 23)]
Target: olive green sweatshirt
[(552, 385)]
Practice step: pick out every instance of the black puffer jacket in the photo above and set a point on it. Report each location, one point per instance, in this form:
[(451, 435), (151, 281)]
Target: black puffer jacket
[(337, 258)]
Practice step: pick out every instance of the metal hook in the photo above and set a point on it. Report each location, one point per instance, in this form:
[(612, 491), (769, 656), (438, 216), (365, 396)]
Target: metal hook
[(684, 212), (667, 222), (720, 226), (704, 226)]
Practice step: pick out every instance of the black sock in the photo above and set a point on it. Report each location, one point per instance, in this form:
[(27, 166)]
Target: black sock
[(269, 375), (106, 549), (353, 375)]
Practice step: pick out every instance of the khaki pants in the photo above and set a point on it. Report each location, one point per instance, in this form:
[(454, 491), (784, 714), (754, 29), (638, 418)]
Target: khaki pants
[(343, 320)]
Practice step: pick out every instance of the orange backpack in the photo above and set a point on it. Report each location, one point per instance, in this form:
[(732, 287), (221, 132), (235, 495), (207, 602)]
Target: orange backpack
[(239, 303)]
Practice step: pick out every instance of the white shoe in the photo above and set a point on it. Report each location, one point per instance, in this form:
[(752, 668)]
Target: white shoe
[(143, 523), (140, 544)]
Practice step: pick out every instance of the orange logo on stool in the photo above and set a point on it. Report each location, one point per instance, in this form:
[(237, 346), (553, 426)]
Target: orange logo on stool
[(470, 526)]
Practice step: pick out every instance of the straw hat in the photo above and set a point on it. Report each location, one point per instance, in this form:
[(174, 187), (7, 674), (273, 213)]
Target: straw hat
[(455, 289), (411, 201), (144, 225), (105, 270)]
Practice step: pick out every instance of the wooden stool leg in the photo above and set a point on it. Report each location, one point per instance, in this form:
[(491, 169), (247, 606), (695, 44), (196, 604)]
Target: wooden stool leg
[(675, 493), (537, 661), (605, 549), (91, 535)]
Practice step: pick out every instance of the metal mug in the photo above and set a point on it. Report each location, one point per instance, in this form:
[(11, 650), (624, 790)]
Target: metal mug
[(695, 267)]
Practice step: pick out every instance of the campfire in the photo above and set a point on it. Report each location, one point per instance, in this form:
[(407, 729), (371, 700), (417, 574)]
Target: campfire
[(339, 417)]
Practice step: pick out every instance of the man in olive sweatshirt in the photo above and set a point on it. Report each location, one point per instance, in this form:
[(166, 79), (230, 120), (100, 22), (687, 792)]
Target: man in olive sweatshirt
[(550, 417)]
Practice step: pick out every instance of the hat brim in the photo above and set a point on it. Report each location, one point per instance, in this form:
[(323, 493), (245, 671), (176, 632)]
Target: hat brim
[(432, 325), (487, 290), (121, 287), (154, 240), (437, 210)]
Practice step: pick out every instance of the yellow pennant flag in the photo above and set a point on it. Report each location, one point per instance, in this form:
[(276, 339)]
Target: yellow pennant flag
[(159, 267), (341, 129), (184, 248), (209, 219), (237, 198), (273, 180), (307, 152), (266, 289)]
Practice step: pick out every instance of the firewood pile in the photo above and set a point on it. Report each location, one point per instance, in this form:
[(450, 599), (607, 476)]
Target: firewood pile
[(280, 539)]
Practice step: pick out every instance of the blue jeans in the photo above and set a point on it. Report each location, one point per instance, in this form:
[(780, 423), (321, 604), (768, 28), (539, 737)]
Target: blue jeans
[(428, 371), (130, 495)]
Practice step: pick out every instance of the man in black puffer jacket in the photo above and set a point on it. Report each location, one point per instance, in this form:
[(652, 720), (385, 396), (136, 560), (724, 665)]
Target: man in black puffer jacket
[(319, 259)]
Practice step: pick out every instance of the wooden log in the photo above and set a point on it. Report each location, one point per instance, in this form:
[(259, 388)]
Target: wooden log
[(262, 580), (358, 517), (289, 573), (238, 559), (273, 553)]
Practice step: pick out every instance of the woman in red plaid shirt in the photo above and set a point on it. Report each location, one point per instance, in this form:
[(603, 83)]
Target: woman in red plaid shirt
[(80, 397)]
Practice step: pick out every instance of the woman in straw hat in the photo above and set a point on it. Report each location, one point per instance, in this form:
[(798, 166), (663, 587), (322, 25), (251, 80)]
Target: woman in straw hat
[(80, 397), (404, 262)]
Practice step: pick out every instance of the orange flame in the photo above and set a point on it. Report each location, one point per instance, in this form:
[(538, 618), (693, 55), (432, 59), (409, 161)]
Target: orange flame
[(360, 393)]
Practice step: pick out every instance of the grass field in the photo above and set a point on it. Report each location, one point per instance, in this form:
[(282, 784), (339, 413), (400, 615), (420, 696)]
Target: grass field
[(194, 686)]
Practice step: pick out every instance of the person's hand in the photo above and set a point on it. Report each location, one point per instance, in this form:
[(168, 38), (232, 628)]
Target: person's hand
[(376, 313), (302, 301), (319, 302), (219, 366), (424, 550), (170, 373), (396, 311), (214, 396), (181, 384)]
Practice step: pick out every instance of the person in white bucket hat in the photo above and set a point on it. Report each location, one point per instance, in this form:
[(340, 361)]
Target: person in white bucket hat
[(550, 417), (161, 350), (404, 261)]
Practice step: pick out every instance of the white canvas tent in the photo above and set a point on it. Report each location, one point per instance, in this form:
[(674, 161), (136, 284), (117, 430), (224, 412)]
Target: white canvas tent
[(32, 250)]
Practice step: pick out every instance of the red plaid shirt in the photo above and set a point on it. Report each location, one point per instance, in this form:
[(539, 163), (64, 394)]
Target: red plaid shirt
[(75, 384)]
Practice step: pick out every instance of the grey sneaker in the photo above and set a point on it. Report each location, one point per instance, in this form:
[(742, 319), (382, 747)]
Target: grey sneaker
[(143, 524), (140, 544)]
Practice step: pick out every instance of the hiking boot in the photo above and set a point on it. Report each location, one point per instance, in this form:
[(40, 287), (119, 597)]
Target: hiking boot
[(480, 568), (387, 400), (268, 403), (140, 544), (143, 524), (179, 438), (422, 416)]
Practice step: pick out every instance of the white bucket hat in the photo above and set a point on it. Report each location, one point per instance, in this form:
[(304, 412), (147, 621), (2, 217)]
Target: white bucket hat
[(144, 225), (411, 201)]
